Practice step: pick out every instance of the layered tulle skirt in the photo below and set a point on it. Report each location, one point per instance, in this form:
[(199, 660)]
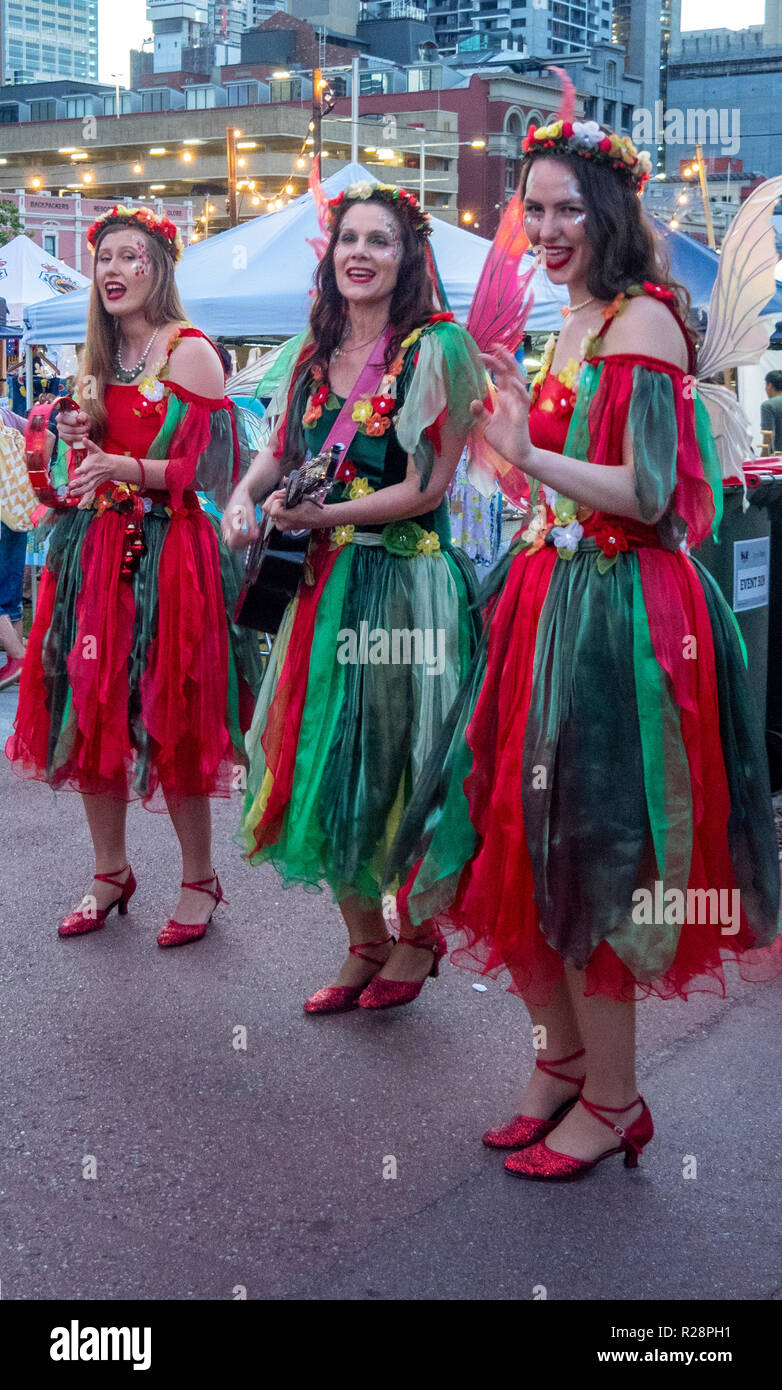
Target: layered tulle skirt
[(599, 794), (365, 667), (136, 686)]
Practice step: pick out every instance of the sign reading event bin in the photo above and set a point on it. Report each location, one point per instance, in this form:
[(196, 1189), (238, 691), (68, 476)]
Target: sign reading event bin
[(750, 573)]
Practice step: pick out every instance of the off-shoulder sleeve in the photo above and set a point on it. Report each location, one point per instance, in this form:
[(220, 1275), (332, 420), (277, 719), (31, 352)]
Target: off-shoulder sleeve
[(448, 374), (674, 454), (203, 444)]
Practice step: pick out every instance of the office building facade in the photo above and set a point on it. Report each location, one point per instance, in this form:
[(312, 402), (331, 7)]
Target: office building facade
[(48, 39)]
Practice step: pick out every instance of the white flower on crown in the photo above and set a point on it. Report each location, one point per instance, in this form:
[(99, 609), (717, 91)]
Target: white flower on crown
[(588, 133), (359, 190), (644, 165)]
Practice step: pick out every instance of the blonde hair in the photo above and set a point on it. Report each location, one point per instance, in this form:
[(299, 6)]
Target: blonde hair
[(163, 305)]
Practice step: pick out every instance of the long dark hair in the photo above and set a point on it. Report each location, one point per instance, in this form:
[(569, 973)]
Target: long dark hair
[(626, 250), (412, 303)]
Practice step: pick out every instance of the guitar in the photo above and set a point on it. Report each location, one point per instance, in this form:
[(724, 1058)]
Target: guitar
[(273, 563)]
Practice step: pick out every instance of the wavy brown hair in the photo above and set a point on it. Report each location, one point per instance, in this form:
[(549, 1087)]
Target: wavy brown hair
[(625, 248), (412, 302), (163, 305)]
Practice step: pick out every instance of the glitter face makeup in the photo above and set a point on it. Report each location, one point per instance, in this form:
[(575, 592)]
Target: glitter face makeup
[(555, 222), (143, 264), (368, 253)]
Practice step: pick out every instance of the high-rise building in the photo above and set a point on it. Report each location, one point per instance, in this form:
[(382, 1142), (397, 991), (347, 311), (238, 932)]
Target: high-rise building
[(542, 28), (51, 38)]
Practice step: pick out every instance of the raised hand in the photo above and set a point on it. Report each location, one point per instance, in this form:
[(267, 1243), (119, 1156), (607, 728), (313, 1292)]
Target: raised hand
[(506, 427)]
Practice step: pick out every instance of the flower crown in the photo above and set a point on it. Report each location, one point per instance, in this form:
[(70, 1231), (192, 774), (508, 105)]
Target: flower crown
[(399, 199), (160, 227), (585, 138)]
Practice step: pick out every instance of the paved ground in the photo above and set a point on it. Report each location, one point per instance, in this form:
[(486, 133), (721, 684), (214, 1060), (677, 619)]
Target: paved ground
[(264, 1168)]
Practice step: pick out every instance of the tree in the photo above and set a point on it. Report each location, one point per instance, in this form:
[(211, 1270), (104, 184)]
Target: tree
[(10, 224)]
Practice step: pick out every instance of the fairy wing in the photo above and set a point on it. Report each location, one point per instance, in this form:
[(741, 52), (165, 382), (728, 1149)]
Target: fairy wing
[(503, 298), (321, 201), (730, 426), (737, 335)]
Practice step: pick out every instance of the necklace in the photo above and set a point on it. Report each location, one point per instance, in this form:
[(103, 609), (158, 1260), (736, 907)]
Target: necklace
[(574, 308), (340, 350), (128, 374)]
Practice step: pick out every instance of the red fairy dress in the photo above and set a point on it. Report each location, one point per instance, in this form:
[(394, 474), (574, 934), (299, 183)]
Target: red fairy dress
[(600, 795), (135, 679)]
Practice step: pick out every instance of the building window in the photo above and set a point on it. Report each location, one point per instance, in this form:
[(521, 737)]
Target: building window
[(199, 98), (152, 100), (289, 90), (50, 243)]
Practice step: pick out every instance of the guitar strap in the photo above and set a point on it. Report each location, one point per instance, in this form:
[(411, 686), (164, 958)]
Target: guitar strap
[(344, 428)]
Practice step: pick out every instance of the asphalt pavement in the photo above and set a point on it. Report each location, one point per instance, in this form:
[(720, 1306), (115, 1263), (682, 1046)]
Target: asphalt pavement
[(331, 1157)]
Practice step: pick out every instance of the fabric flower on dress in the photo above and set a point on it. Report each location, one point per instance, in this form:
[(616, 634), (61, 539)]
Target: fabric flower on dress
[(566, 539), (535, 534), (151, 389), (359, 487), (345, 472), (377, 426), (612, 540), (429, 544), (383, 404), (362, 411), (402, 537), (342, 535)]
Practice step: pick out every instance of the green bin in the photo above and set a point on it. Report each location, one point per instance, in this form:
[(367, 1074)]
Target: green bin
[(741, 564)]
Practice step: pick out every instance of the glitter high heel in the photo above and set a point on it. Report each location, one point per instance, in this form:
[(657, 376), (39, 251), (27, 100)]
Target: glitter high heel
[(528, 1129), (390, 994), (79, 922), (337, 999), (179, 933), (542, 1164)]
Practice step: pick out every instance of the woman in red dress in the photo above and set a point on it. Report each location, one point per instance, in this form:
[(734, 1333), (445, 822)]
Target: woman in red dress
[(136, 684), (596, 820)]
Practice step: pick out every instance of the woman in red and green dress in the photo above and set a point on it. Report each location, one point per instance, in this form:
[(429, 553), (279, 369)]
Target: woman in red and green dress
[(372, 649), (595, 821), (136, 684)]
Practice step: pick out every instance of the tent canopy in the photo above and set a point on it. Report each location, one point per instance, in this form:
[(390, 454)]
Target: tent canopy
[(255, 280), (28, 275)]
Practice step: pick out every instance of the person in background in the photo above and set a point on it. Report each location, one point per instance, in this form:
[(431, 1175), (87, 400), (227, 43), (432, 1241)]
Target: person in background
[(13, 548), (771, 410)]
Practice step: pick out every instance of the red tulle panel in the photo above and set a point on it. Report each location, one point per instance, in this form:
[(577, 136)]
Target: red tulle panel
[(283, 723), (27, 746), (184, 688)]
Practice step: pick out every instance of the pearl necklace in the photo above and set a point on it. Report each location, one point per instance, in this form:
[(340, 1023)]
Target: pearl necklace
[(128, 374), (574, 308)]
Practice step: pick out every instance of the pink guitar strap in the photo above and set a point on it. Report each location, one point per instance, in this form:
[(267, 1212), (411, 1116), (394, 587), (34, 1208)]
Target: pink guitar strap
[(344, 428)]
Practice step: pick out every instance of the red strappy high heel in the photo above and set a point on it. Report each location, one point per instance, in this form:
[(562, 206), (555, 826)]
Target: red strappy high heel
[(543, 1164), (389, 994), (79, 921), (179, 933), (337, 999), (528, 1129)]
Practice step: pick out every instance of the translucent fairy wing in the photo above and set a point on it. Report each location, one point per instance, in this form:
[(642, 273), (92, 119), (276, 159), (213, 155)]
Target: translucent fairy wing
[(253, 427), (503, 298), (731, 428), (736, 335), (321, 201)]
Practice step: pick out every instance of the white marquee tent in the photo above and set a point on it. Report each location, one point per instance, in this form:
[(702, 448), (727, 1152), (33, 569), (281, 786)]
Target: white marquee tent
[(253, 282), (28, 276)]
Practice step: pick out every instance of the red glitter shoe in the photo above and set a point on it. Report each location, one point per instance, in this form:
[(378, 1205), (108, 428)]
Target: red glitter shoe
[(390, 994), (179, 933), (337, 999), (523, 1130), (542, 1164), (78, 922)]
